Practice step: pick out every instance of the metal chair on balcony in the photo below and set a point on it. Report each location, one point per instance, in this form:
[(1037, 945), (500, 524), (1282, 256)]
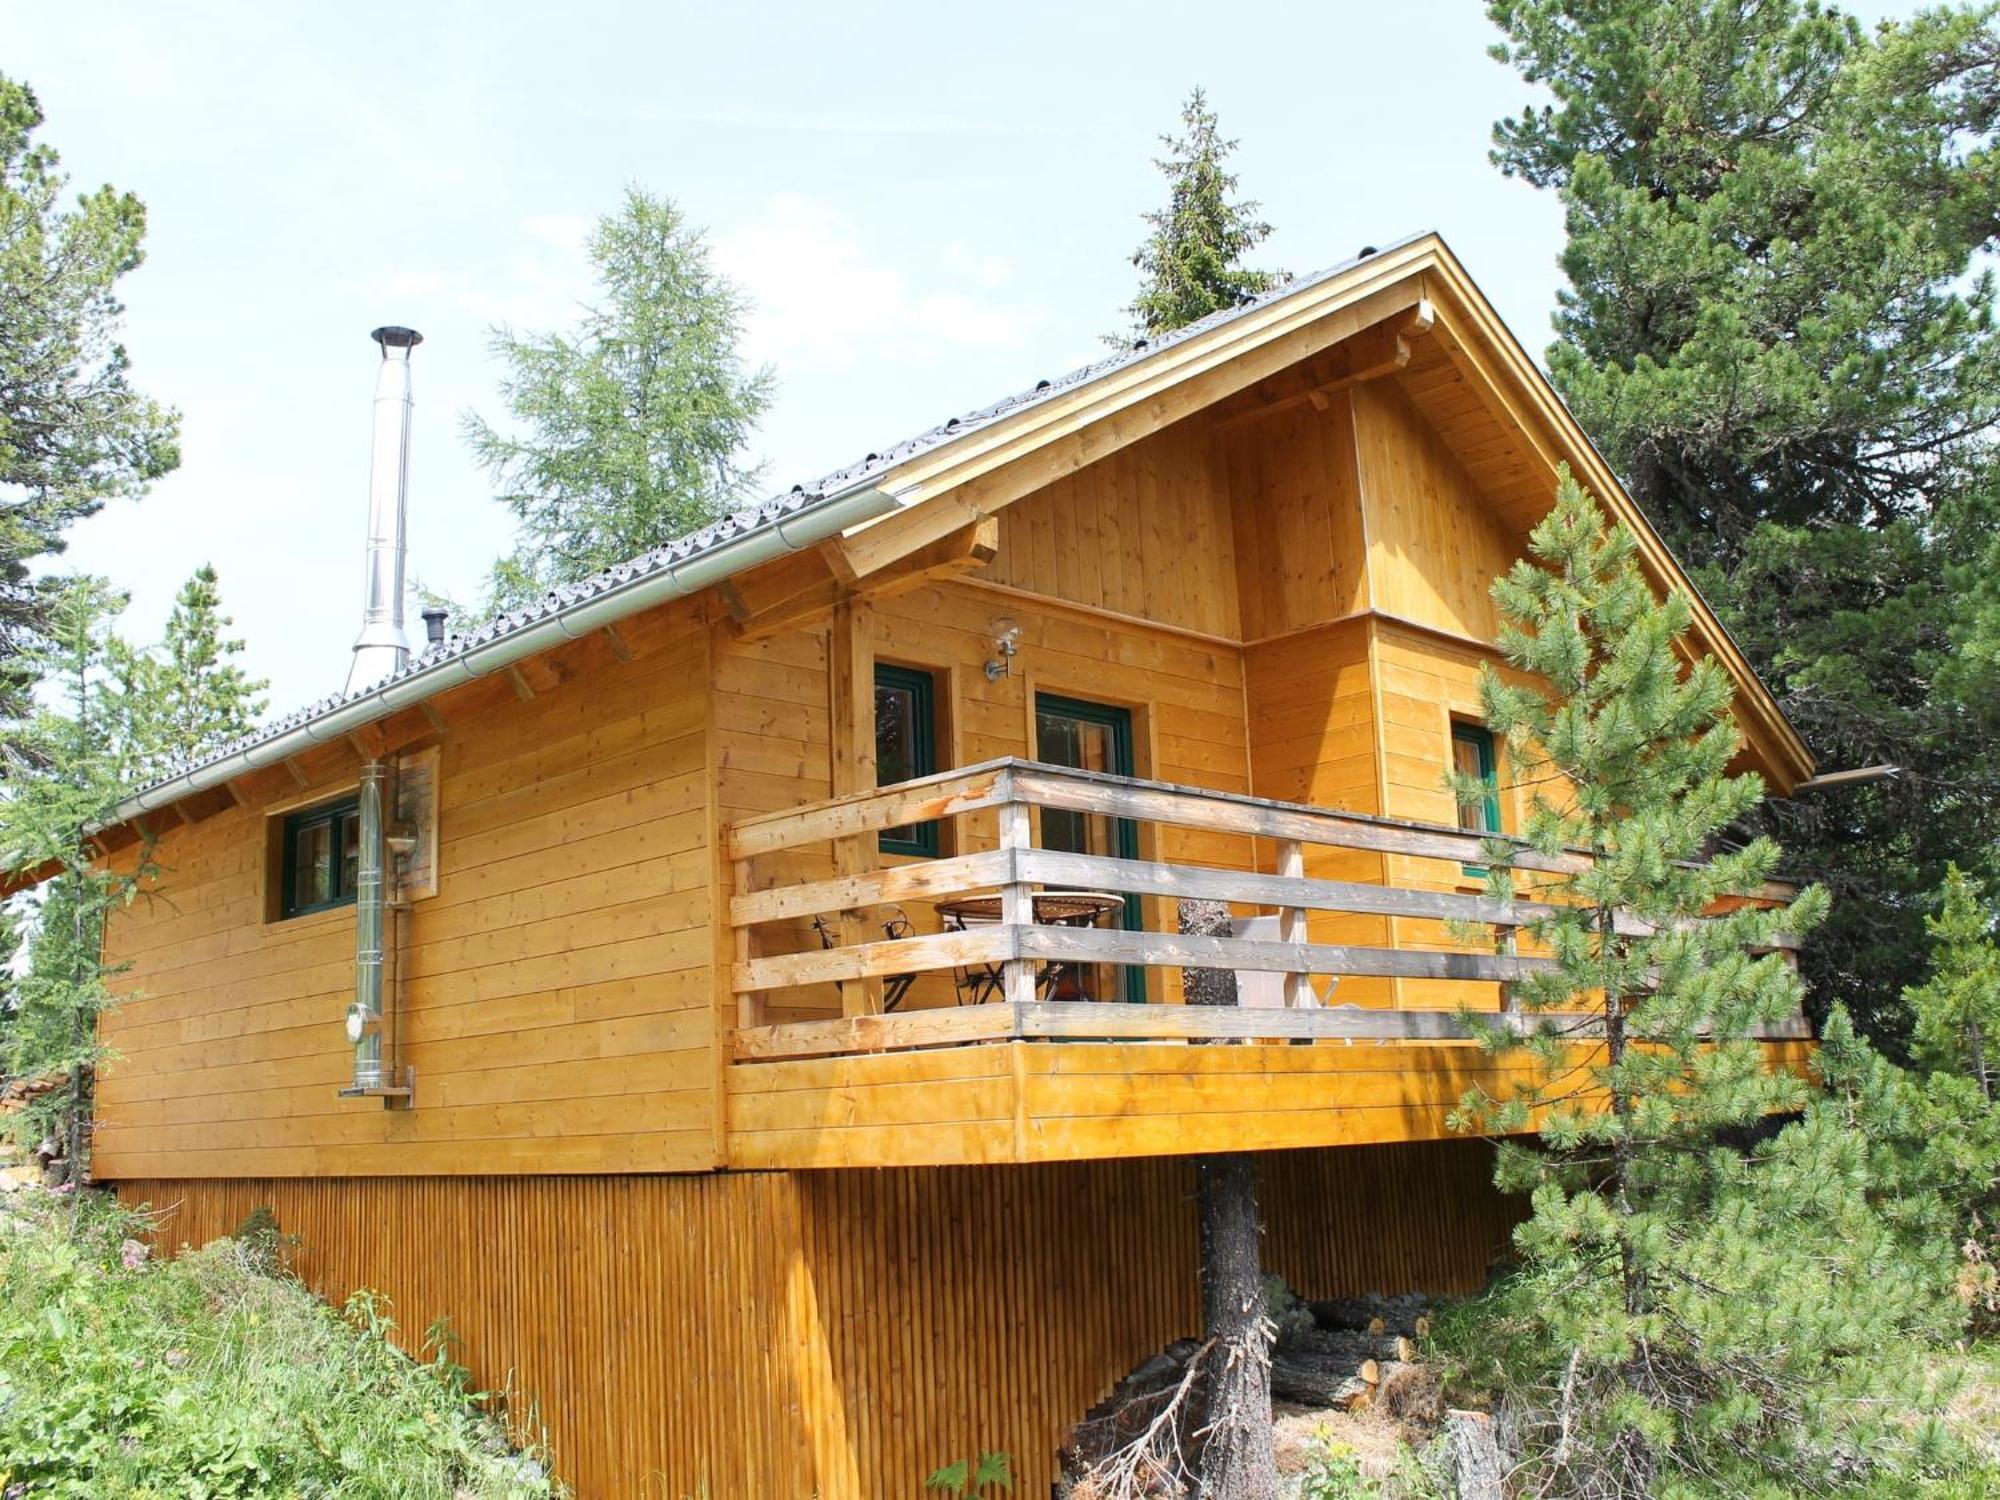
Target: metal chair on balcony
[(895, 927)]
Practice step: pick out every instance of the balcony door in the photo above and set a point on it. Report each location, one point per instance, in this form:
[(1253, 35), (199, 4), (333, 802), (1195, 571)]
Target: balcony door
[(1092, 737)]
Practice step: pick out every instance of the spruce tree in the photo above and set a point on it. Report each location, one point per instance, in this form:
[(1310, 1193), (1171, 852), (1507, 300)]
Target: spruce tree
[(1779, 328), (628, 430), (188, 698), (1192, 262)]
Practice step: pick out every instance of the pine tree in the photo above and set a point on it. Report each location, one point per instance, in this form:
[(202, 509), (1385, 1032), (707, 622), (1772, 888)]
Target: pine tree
[(1628, 754), (1951, 1126), (1192, 262), (1957, 1008), (188, 698), (1779, 329), (64, 775), (73, 431), (628, 430)]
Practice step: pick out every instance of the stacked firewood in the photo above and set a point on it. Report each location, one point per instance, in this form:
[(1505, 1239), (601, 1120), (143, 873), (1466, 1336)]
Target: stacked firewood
[(44, 1162), (1340, 1353)]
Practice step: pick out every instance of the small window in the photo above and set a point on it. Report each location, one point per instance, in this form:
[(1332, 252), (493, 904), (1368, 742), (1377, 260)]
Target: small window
[(322, 854), (905, 746), (1472, 755)]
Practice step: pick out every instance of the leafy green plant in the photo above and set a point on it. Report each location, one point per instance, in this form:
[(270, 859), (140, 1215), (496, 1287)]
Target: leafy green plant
[(207, 1376), (970, 1476), (1333, 1472)]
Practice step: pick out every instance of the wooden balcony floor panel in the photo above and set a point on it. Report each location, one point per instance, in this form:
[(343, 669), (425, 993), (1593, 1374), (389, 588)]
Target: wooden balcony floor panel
[(1030, 1102)]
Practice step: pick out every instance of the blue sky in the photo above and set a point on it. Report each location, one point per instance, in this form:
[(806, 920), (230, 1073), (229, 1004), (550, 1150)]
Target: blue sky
[(931, 206)]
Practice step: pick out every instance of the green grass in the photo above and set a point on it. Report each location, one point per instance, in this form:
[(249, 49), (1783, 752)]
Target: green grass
[(212, 1375)]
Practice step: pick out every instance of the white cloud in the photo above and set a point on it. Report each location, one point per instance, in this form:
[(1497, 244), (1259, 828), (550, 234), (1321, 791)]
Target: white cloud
[(823, 302), (801, 121)]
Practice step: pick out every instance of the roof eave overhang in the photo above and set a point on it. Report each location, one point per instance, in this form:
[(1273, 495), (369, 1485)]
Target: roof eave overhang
[(1784, 751)]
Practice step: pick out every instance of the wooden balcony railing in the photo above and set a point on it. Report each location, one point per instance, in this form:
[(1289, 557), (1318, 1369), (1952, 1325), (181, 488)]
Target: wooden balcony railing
[(992, 804)]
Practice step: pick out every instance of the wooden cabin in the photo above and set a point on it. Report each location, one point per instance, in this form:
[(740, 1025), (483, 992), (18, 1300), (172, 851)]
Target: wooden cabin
[(783, 1083)]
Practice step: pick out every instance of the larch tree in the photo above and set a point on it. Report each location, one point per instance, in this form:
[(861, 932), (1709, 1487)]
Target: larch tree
[(64, 773), (74, 432), (188, 697), (629, 429), (1778, 327), (1191, 263)]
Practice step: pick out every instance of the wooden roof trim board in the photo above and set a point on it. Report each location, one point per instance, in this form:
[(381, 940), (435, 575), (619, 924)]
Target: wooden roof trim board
[(1572, 445)]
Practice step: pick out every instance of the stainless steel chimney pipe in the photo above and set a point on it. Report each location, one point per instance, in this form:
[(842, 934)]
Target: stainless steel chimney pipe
[(381, 649)]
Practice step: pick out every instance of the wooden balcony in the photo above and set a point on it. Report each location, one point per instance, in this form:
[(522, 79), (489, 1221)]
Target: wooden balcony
[(855, 1047)]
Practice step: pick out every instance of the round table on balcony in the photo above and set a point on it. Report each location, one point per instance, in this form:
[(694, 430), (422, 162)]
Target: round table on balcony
[(1054, 980)]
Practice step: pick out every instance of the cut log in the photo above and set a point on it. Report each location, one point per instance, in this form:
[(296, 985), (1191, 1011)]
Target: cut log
[(1314, 1385), (1376, 1325), (1399, 1314), (1411, 1393), (1339, 1347)]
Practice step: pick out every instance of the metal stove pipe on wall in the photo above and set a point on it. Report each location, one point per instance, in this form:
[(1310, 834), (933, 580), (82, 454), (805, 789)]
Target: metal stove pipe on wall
[(380, 652)]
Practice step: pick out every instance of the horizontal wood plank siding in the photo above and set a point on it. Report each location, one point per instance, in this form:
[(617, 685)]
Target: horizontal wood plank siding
[(836, 1334), (1027, 1101), (555, 994), (1186, 694)]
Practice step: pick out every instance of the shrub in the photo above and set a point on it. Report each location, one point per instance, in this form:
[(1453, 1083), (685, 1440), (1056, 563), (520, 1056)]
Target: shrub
[(128, 1378)]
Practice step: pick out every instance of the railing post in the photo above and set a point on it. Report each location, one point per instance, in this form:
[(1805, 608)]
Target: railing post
[(749, 1003), (1292, 920), (850, 648), (1017, 902)]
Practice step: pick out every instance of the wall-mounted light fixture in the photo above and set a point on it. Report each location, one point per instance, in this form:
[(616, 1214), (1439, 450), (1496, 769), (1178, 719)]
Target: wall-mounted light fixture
[(1006, 641)]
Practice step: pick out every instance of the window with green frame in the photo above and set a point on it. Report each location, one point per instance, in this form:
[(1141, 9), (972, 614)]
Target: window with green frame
[(905, 746), (322, 854), (1472, 755)]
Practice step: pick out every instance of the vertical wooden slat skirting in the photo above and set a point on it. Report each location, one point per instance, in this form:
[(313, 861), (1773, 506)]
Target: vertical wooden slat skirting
[(836, 1334)]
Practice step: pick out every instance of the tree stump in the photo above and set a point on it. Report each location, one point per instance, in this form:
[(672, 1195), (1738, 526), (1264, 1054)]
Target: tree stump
[(1473, 1456)]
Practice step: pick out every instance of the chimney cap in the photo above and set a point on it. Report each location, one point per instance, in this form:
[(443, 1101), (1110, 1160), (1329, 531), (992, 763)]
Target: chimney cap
[(394, 336), (434, 619)]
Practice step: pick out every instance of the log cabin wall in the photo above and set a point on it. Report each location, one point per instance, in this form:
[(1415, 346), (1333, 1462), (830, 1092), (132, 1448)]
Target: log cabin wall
[(1121, 580), (837, 1334), (1314, 739), (555, 992)]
